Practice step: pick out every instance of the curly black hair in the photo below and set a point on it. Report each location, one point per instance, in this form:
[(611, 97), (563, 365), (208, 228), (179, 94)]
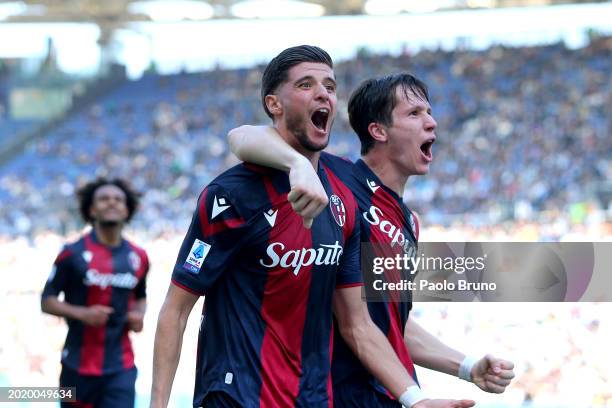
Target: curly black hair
[(86, 196)]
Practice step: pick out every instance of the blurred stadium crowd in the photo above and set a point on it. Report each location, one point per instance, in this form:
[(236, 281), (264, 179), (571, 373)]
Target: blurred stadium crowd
[(523, 153), (523, 135)]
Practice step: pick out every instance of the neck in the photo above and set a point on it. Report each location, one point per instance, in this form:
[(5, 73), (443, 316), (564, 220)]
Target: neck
[(386, 171), (108, 235), (292, 141)]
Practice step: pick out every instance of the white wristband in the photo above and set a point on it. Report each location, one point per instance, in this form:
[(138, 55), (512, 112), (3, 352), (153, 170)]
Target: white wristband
[(465, 368), (411, 396)]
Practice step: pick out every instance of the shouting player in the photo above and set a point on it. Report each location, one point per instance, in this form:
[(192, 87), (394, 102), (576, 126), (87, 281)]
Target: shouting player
[(392, 117), (271, 284), (102, 276)]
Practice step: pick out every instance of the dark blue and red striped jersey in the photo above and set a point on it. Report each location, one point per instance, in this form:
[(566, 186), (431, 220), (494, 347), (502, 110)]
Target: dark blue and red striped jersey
[(266, 332), (91, 273), (389, 228)]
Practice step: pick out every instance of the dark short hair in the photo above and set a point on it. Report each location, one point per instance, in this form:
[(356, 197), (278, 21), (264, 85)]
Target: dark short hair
[(86, 196), (277, 70), (374, 100)]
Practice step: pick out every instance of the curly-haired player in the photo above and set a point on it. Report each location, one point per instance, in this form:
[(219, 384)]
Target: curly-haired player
[(102, 276)]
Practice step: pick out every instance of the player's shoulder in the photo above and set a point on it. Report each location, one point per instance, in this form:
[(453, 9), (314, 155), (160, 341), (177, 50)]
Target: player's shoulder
[(241, 177), (336, 163), (72, 247), (344, 169), (237, 175), (240, 187), (136, 248)]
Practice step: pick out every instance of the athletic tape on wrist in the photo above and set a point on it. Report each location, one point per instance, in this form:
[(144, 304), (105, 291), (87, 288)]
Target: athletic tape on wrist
[(411, 396), (465, 368)]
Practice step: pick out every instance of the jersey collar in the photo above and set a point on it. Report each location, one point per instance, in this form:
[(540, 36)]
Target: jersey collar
[(372, 182)]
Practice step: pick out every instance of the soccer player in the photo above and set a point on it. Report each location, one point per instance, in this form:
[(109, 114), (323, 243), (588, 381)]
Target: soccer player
[(102, 276), (392, 117), (270, 284)]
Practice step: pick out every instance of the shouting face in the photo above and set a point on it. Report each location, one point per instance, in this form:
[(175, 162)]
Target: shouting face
[(305, 105), (411, 136)]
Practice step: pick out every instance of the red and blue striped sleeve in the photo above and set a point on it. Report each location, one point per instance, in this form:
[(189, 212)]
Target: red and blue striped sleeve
[(60, 274), (140, 291), (213, 240)]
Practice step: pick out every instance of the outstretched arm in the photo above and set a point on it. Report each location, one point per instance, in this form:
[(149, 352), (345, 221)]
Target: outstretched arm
[(263, 145), (168, 342), (374, 351), (489, 373)]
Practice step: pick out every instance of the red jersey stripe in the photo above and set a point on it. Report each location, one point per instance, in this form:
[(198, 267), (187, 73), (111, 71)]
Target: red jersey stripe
[(93, 346), (281, 367)]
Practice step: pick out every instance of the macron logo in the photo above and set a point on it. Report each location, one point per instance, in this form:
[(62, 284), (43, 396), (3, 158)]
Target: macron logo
[(372, 185), (271, 216), (219, 205)]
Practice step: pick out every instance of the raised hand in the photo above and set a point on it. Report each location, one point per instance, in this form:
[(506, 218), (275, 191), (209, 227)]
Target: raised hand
[(307, 196), (492, 374)]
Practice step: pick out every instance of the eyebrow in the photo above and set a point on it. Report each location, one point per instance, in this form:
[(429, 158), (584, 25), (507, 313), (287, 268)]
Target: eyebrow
[(310, 77), (109, 194)]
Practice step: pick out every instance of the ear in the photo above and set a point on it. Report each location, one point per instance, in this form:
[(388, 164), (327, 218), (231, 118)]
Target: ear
[(378, 132), (273, 105)]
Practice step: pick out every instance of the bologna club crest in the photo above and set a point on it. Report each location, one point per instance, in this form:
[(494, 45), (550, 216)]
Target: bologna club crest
[(337, 208)]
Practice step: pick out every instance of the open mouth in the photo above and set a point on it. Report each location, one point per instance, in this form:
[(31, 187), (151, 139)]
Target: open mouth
[(426, 148), (319, 118)]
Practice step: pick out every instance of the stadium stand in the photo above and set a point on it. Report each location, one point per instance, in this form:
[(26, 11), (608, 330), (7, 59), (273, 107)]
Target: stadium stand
[(514, 139)]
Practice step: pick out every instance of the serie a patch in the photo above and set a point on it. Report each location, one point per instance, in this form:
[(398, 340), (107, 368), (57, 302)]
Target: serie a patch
[(196, 256)]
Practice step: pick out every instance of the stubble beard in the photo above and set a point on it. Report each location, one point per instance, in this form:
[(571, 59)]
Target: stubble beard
[(296, 125)]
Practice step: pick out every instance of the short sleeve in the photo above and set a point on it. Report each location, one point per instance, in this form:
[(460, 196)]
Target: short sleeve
[(349, 273), (214, 238), (140, 291), (59, 275)]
